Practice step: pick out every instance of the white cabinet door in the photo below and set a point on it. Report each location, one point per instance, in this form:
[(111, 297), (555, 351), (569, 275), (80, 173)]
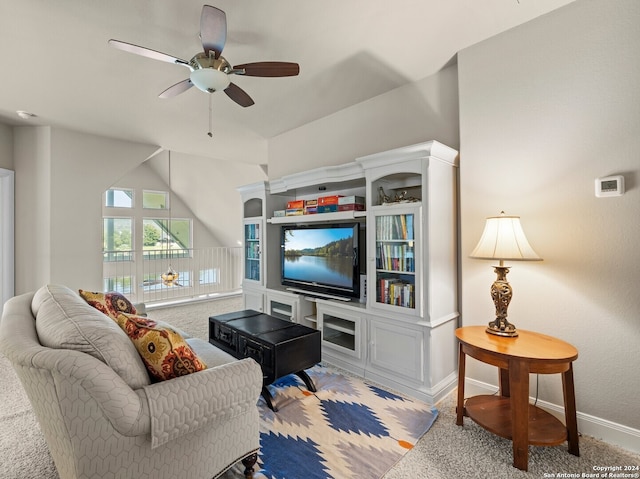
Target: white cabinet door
[(252, 256), (283, 305), (395, 259), (253, 299), (396, 350), (342, 332)]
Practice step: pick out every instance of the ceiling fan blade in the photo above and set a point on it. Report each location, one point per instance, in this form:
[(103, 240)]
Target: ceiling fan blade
[(238, 95), (269, 69), (176, 89), (146, 52), (213, 29)]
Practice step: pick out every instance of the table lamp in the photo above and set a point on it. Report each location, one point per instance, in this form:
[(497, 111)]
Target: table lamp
[(503, 239)]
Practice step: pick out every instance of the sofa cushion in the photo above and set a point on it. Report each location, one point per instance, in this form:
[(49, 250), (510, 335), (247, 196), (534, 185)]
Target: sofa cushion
[(163, 350), (111, 304), (211, 355), (159, 323), (65, 321)]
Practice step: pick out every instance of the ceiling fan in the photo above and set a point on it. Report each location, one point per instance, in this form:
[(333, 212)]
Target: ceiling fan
[(210, 71)]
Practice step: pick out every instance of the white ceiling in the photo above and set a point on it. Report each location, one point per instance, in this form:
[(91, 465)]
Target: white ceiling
[(56, 62)]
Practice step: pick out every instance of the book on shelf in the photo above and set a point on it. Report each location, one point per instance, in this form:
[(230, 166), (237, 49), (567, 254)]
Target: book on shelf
[(294, 212), (295, 204), (351, 200), (351, 207), (328, 208), (253, 251), (252, 232), (395, 257), (396, 292), (328, 200), (394, 227)]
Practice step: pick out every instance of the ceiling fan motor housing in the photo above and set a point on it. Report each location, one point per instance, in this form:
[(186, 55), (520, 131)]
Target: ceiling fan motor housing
[(209, 74)]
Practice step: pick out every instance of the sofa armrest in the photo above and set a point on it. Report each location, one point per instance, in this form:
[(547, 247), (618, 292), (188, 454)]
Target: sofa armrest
[(184, 404), (127, 410)]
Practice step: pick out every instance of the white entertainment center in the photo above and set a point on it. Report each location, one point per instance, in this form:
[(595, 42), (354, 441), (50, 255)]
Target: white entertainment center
[(402, 334)]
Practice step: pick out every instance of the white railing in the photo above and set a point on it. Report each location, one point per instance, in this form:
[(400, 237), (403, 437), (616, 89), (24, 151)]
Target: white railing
[(201, 273)]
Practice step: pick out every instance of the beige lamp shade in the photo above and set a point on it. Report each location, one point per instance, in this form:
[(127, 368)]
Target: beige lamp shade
[(504, 239)]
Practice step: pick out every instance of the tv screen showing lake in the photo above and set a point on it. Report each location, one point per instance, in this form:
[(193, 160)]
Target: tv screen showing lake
[(320, 269), (319, 255)]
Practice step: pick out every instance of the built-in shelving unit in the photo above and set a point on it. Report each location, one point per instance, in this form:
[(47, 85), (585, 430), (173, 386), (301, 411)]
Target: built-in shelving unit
[(402, 335)]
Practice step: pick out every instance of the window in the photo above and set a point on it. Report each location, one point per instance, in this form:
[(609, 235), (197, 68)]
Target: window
[(118, 198), (157, 240), (121, 284), (155, 200), (117, 237), (138, 248), (210, 276)]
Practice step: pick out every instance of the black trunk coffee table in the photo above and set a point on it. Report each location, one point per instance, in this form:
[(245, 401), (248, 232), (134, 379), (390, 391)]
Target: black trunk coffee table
[(280, 347)]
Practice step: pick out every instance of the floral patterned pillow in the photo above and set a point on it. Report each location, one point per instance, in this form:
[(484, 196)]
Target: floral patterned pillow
[(111, 304), (163, 350)]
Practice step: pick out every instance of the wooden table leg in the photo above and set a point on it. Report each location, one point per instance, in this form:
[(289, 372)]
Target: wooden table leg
[(461, 373), (570, 411), (503, 376), (519, 388)]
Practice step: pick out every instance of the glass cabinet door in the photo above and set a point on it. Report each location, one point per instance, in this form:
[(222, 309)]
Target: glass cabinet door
[(395, 249), (252, 250)]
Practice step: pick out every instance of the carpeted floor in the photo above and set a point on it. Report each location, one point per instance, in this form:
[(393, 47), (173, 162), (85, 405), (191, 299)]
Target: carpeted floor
[(445, 451)]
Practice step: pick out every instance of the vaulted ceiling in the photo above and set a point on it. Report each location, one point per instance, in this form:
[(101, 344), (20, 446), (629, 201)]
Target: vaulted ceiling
[(56, 62)]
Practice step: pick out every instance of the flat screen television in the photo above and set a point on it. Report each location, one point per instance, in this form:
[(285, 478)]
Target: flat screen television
[(321, 259)]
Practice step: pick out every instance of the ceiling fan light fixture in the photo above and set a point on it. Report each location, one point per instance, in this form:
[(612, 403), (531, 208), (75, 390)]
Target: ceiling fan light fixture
[(25, 115), (209, 80)]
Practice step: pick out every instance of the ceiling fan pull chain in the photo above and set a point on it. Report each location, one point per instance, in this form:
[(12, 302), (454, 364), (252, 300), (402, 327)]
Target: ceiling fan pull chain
[(210, 115)]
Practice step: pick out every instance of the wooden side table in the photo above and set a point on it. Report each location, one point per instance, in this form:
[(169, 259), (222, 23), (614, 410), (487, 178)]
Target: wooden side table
[(510, 415)]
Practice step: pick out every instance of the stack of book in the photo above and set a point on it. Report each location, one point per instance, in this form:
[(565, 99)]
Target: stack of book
[(295, 208), (310, 207), (396, 292), (351, 203), (328, 204), (323, 204)]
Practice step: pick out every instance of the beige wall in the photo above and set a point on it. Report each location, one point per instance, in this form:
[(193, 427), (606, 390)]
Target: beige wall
[(544, 110), (6, 147), (421, 111), (32, 196)]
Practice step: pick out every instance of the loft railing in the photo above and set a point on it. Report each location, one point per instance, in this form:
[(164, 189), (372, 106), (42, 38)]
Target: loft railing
[(201, 273)]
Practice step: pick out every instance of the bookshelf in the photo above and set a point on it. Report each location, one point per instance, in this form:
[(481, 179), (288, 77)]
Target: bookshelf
[(252, 248), (402, 335), (395, 276)]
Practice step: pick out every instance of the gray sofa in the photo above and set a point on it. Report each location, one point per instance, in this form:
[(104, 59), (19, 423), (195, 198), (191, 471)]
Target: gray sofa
[(101, 415)]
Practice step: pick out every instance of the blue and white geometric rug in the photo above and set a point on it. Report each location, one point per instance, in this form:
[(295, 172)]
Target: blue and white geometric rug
[(347, 429)]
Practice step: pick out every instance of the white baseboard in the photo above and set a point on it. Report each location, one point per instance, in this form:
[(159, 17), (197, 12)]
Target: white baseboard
[(610, 432)]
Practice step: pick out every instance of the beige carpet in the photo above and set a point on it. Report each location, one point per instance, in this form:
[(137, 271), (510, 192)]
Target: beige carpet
[(446, 451)]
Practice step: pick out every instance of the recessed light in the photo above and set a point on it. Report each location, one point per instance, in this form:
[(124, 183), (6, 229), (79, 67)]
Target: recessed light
[(25, 115)]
